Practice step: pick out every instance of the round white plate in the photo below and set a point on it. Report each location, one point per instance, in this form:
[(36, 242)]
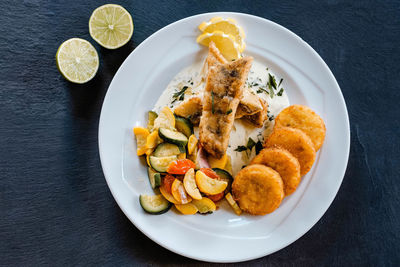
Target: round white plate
[(222, 236)]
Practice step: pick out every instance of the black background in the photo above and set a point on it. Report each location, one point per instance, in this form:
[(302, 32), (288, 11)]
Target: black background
[(55, 206)]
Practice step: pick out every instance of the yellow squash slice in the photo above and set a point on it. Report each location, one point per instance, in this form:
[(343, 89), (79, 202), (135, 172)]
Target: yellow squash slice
[(190, 185), (204, 205), (233, 204), (152, 141), (141, 134), (187, 209), (192, 144), (179, 193), (168, 196), (218, 163), (165, 119), (209, 185)]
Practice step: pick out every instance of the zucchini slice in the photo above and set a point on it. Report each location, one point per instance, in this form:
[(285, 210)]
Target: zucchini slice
[(184, 126), (173, 137), (154, 178), (150, 122), (225, 176), (166, 149), (160, 164), (154, 204)]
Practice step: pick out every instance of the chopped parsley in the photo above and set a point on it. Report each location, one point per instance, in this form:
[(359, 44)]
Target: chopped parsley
[(229, 111), (249, 146), (259, 147), (272, 80), (250, 143), (180, 95), (262, 90), (250, 85), (280, 82), (280, 92), (271, 118), (240, 148), (271, 91)]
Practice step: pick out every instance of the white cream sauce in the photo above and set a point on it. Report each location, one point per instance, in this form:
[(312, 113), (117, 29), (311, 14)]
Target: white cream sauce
[(191, 76)]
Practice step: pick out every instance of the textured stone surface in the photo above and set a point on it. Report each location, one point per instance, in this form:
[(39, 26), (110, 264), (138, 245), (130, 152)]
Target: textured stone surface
[(55, 207)]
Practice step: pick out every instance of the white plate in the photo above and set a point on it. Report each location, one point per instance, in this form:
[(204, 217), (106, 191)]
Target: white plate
[(222, 236)]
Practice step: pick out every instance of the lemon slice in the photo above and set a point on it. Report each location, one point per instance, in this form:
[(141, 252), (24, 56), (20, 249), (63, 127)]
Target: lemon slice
[(111, 26), (227, 26), (77, 60), (225, 43)]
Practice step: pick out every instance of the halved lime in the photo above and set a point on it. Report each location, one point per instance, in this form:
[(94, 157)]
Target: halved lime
[(111, 26), (77, 60)]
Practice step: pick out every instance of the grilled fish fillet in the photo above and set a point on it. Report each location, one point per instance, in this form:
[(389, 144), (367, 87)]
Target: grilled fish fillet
[(258, 118), (250, 106), (222, 94), (214, 57), (190, 109)]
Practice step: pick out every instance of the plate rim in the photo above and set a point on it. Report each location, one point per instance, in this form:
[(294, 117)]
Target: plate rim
[(342, 104)]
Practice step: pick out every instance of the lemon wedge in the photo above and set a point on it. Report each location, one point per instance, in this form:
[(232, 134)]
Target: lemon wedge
[(77, 60), (111, 26), (227, 26), (225, 43)]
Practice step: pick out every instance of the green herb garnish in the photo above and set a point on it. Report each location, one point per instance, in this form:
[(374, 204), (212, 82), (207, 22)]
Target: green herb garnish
[(259, 147), (271, 118), (229, 111), (280, 82), (240, 148), (271, 91), (280, 92), (250, 85), (250, 143), (261, 90), (179, 95), (272, 80)]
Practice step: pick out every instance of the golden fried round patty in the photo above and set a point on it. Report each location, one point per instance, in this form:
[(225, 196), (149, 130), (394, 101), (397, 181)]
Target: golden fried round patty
[(258, 189), (305, 119), (284, 163), (296, 142)]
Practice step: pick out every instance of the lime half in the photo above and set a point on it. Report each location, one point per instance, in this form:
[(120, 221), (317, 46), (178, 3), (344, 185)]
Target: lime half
[(111, 26), (77, 60)]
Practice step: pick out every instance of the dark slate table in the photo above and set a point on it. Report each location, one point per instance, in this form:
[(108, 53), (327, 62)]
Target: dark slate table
[(55, 206)]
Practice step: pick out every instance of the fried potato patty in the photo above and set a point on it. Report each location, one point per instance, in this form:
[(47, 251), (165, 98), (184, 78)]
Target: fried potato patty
[(305, 119), (284, 163), (296, 142), (258, 189)]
